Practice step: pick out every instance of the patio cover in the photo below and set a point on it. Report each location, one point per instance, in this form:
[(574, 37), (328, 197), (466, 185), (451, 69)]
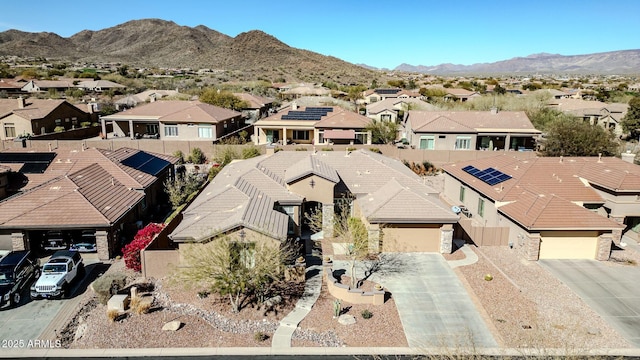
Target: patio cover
[(340, 134)]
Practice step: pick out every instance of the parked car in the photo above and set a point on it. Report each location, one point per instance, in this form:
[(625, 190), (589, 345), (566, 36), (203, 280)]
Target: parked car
[(83, 247), (62, 269), (86, 242), (18, 270), (56, 240)]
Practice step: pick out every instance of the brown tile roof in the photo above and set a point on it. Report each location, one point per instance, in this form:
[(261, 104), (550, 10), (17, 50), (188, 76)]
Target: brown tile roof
[(254, 101), (34, 108), (177, 111), (10, 84), (310, 165), (481, 121), (343, 119), (86, 198), (53, 83), (391, 103)]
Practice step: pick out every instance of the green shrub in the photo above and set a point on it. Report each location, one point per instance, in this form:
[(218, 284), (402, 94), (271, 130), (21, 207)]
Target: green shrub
[(277, 149), (180, 155), (85, 123), (95, 124), (250, 152), (327, 149), (58, 129), (197, 156), (351, 148), (375, 150), (108, 285), (366, 314), (260, 336), (301, 149)]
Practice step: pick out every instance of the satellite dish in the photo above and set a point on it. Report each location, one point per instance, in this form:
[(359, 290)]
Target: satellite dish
[(455, 209)]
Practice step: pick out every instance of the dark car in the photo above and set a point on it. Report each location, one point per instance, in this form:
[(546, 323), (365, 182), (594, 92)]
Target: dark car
[(56, 240), (17, 271)]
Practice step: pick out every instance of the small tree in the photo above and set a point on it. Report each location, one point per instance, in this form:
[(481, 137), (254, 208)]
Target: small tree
[(250, 152), (382, 132), (234, 269), (197, 156), (182, 187), (224, 99), (577, 138), (631, 121), (131, 251)]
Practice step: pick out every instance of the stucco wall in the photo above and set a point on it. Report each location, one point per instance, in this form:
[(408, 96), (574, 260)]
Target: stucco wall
[(321, 191), (22, 125)]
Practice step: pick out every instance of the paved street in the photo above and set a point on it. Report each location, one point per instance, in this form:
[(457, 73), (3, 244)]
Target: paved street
[(610, 290)]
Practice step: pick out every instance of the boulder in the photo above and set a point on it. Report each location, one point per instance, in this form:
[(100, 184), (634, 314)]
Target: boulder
[(82, 328), (172, 326), (347, 319)]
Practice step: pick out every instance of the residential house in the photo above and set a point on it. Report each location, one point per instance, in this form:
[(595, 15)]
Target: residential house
[(20, 117), (373, 95), (10, 87), (34, 86), (394, 109), (174, 120), (146, 96), (100, 85), (108, 194), (545, 208), (470, 130), (258, 107), (267, 196), (313, 125), (606, 115), (462, 95), (300, 90)]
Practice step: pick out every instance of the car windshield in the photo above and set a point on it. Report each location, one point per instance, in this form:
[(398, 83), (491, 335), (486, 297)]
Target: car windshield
[(6, 277), (54, 268)]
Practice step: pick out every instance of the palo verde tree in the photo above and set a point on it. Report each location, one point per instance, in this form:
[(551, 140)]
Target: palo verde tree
[(631, 121), (223, 98), (233, 268), (348, 231)]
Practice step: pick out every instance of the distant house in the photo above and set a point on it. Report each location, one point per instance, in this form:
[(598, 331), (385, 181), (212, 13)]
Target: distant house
[(174, 120), (11, 86), (99, 85), (290, 92), (393, 109), (34, 86), (146, 96), (470, 130), (606, 115), (374, 95), (545, 208), (20, 117), (258, 107), (462, 95), (106, 194), (313, 125)]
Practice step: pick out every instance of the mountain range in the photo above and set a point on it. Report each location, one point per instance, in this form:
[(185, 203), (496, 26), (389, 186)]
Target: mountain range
[(255, 54)]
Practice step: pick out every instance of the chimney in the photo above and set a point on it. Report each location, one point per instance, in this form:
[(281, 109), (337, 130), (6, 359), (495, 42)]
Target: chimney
[(20, 102), (599, 157), (90, 108), (560, 158), (294, 106), (152, 98)]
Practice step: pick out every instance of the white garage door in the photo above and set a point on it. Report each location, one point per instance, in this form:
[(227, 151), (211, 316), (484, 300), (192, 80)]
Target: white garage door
[(568, 245)]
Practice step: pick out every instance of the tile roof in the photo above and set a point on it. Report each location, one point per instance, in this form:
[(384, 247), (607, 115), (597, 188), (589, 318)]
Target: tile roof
[(145, 96), (340, 118), (176, 111), (394, 103), (564, 181), (33, 109), (254, 101), (86, 198), (99, 83), (310, 165), (481, 121)]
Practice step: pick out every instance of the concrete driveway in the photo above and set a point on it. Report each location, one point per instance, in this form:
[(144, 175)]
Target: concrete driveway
[(433, 305), (611, 290)]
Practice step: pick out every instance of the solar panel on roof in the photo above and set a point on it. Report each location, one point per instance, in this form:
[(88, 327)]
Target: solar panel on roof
[(387, 91), (34, 163), (146, 163), (490, 175), (34, 168)]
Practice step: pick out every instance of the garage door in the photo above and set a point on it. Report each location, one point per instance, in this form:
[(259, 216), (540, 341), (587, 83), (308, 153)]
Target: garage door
[(411, 238), (568, 245)]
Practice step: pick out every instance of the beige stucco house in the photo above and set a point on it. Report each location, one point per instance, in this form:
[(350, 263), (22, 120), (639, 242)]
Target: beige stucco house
[(313, 125), (394, 109), (545, 208), (174, 120), (470, 130), (374, 95), (599, 113), (270, 194)]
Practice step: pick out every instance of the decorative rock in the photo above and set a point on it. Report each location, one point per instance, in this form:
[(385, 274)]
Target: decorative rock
[(593, 331), (347, 319), (82, 328), (270, 302), (172, 326)]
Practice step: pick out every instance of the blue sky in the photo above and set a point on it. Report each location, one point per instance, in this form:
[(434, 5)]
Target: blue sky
[(374, 32)]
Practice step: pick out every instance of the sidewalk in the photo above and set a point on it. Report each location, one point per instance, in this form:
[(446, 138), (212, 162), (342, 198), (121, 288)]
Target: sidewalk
[(288, 325)]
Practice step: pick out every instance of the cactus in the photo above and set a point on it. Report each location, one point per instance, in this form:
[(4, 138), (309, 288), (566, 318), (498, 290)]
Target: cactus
[(336, 308)]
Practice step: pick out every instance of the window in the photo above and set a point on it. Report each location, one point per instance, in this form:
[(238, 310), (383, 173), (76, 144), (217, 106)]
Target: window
[(481, 207), (463, 142), (243, 254), (58, 122), (300, 135), (385, 117), (171, 130), (462, 193), (205, 131), (427, 142), (290, 211), (9, 130)]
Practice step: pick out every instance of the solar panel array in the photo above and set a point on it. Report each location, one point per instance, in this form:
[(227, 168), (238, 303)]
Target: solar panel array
[(309, 113), (33, 163), (387, 91), (490, 175), (146, 163)]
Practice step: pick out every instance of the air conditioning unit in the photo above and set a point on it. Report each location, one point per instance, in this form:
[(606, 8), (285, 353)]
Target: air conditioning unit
[(465, 211)]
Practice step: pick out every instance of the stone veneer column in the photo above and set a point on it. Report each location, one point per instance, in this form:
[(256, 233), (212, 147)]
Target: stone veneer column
[(532, 244), (617, 234), (373, 235), (327, 220), (446, 239), (17, 241), (604, 247), (102, 243)]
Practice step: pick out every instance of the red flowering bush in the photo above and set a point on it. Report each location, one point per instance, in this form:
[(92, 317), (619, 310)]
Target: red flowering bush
[(131, 251)]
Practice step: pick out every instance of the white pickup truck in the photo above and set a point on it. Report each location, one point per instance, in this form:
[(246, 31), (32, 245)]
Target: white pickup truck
[(58, 273)]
